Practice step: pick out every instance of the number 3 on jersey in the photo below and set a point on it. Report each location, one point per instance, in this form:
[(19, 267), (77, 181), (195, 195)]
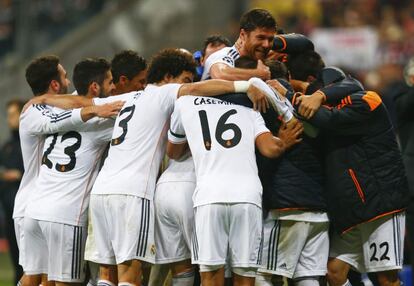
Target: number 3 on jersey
[(123, 124), (69, 150), (221, 127)]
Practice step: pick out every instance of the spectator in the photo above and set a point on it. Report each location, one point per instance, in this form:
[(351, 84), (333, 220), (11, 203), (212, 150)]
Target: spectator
[(11, 165)]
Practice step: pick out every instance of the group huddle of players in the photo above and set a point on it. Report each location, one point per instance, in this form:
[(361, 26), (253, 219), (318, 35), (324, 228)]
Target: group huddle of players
[(277, 163)]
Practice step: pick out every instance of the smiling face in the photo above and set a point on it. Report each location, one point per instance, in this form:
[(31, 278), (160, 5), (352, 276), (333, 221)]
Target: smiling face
[(258, 42)]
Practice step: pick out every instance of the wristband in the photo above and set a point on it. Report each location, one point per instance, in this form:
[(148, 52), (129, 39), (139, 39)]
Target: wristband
[(241, 86)]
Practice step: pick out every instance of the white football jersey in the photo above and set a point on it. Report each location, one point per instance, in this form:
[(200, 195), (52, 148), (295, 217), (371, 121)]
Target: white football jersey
[(35, 122), (138, 143), (70, 164), (227, 55), (179, 171), (222, 138)]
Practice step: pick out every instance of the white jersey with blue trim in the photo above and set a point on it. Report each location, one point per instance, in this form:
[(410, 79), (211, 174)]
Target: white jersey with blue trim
[(35, 123), (222, 139), (227, 55), (70, 164), (138, 143)]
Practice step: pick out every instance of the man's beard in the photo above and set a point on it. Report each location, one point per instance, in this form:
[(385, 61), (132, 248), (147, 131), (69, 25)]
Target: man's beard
[(63, 89), (102, 94)]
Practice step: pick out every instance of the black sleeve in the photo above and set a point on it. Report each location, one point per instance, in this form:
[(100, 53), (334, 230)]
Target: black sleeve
[(236, 98), (339, 90), (351, 118)]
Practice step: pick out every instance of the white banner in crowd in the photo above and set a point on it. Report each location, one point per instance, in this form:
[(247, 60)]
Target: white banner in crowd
[(351, 48)]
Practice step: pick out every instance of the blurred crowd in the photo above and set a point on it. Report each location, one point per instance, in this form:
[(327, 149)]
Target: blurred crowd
[(50, 19), (391, 21)]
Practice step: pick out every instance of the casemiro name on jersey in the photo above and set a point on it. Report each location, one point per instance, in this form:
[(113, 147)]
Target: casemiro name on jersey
[(202, 100)]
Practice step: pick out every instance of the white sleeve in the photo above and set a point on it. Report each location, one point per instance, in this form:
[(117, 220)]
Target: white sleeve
[(39, 119), (214, 58), (259, 125), (169, 95), (110, 99), (276, 100), (176, 134)]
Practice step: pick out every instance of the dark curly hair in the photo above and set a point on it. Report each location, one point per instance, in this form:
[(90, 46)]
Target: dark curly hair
[(127, 63), (88, 71), (171, 62), (257, 18), (40, 72)]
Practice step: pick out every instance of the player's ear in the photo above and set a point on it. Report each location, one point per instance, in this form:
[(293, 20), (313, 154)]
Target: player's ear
[(94, 88), (243, 35), (310, 78), (123, 80), (54, 85), (168, 78)]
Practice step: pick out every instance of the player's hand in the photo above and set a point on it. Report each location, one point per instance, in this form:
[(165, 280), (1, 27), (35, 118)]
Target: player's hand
[(258, 98), (263, 70), (309, 104), (289, 132), (274, 83), (299, 85), (109, 109)]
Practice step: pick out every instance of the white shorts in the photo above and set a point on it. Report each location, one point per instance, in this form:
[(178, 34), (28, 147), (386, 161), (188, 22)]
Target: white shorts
[(295, 249), (174, 221), (91, 251), (123, 229), (227, 229), (19, 231), (54, 249), (373, 246)]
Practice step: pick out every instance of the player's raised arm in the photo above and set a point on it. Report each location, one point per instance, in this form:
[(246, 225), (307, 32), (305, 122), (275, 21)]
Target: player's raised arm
[(66, 101), (104, 111), (272, 147), (218, 87), (223, 71)]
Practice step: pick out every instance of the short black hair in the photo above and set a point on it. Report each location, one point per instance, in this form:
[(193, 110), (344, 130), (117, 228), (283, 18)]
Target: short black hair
[(215, 40), (88, 71), (277, 69), (40, 72), (127, 63), (245, 62), (306, 64), (171, 62), (257, 18)]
